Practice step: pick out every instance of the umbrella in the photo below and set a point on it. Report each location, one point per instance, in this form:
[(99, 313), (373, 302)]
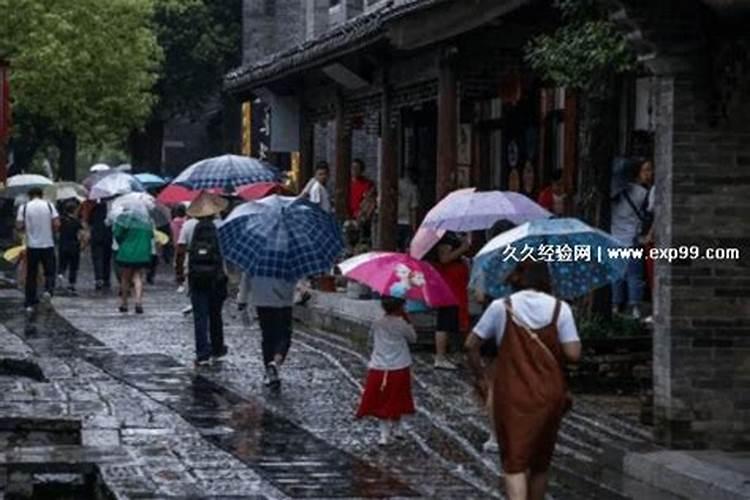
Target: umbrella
[(65, 191), (21, 183), (144, 204), (114, 184), (468, 210), (174, 193), (150, 181), (227, 172), (423, 241), (261, 190), (99, 167), (124, 167), (281, 237), (577, 256), (399, 275)]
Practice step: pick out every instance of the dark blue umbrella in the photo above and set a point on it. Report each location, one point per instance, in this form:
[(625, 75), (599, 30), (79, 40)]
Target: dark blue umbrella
[(227, 172), (281, 237)]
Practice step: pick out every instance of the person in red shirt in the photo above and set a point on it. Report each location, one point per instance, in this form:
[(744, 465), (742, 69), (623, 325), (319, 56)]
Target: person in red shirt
[(360, 187), (553, 197), (362, 200)]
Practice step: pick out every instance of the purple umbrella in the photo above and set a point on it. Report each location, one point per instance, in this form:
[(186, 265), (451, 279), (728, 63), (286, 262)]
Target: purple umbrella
[(469, 210)]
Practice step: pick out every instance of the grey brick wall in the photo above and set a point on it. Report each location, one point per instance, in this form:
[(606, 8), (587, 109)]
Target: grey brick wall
[(702, 333)]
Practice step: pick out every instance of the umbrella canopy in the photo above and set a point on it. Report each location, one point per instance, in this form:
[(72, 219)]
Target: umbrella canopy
[(114, 184), (21, 183), (469, 210), (99, 167), (227, 172), (281, 237), (150, 181), (423, 241), (577, 256), (174, 193), (124, 167), (143, 204), (399, 275), (65, 191)]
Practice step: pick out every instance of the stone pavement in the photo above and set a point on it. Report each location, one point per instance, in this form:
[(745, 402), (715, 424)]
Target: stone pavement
[(216, 433)]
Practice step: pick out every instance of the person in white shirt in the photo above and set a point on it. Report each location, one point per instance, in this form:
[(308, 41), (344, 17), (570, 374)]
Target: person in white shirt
[(536, 335), (387, 393), (408, 203), (315, 189), (39, 219)]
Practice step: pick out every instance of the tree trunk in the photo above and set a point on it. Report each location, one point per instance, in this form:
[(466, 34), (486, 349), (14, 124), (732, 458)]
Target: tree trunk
[(597, 145), (68, 145)]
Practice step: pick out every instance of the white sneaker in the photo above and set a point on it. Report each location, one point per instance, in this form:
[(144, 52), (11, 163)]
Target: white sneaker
[(491, 446), (187, 310), (648, 320), (181, 289), (441, 363)]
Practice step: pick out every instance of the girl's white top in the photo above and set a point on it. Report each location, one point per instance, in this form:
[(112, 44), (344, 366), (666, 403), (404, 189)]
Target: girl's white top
[(391, 336)]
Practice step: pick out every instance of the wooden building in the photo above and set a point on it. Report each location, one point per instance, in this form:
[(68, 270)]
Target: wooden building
[(433, 85)]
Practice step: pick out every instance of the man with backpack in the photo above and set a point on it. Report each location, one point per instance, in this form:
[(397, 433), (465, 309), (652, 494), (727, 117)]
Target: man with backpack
[(207, 278), (39, 219)]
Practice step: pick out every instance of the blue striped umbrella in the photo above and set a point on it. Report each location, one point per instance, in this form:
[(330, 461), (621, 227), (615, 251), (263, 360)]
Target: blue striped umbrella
[(227, 172), (281, 237), (577, 255)]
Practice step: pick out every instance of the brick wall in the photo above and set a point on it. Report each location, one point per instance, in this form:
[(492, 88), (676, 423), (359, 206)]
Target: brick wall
[(702, 308)]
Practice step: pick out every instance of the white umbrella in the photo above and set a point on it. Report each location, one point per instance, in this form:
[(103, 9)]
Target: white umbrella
[(65, 191), (143, 204), (114, 184), (99, 167), (124, 167), (21, 183)]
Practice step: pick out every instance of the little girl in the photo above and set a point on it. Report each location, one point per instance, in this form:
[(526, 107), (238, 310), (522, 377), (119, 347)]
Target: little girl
[(387, 393)]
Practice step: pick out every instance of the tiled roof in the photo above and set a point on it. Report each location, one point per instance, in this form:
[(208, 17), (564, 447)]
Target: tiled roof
[(357, 32)]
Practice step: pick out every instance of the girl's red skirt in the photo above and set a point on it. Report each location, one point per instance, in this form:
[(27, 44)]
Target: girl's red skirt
[(387, 394)]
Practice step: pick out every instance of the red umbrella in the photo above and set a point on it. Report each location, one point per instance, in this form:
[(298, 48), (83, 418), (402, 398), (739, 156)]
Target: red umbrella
[(174, 193), (261, 190)]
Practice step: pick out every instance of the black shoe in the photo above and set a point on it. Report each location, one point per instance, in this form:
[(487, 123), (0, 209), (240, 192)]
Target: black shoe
[(223, 352), (98, 286), (72, 290), (123, 309), (138, 309), (272, 372)]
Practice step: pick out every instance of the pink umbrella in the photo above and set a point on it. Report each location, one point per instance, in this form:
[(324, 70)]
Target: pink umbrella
[(423, 241), (174, 194), (399, 275)]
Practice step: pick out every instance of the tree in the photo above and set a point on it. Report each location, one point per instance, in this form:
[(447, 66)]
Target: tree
[(201, 41), (586, 53), (86, 67)]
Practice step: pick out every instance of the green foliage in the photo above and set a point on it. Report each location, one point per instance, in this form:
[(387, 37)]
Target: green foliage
[(86, 66), (583, 52), (201, 40), (618, 326)]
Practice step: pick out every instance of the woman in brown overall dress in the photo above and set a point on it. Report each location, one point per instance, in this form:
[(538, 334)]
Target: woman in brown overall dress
[(537, 336)]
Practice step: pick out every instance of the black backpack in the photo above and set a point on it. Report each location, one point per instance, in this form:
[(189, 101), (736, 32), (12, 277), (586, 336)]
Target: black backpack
[(205, 266)]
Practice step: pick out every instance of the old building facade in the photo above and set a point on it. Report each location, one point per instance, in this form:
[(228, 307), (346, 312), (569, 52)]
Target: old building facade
[(439, 86)]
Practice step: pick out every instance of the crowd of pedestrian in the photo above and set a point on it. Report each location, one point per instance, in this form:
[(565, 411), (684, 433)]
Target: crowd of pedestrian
[(516, 352)]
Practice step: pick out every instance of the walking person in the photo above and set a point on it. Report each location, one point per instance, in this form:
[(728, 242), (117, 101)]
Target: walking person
[(39, 220), (448, 259), (387, 392), (134, 242), (69, 246), (536, 336), (273, 299), (101, 242), (207, 278), (408, 204)]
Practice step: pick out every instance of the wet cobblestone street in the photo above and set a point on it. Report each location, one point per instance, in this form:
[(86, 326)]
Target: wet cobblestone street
[(218, 433)]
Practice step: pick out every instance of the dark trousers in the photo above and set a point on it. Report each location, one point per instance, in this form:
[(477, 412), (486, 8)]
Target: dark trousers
[(207, 304), (68, 260), (151, 275), (35, 257), (276, 327), (101, 254)]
